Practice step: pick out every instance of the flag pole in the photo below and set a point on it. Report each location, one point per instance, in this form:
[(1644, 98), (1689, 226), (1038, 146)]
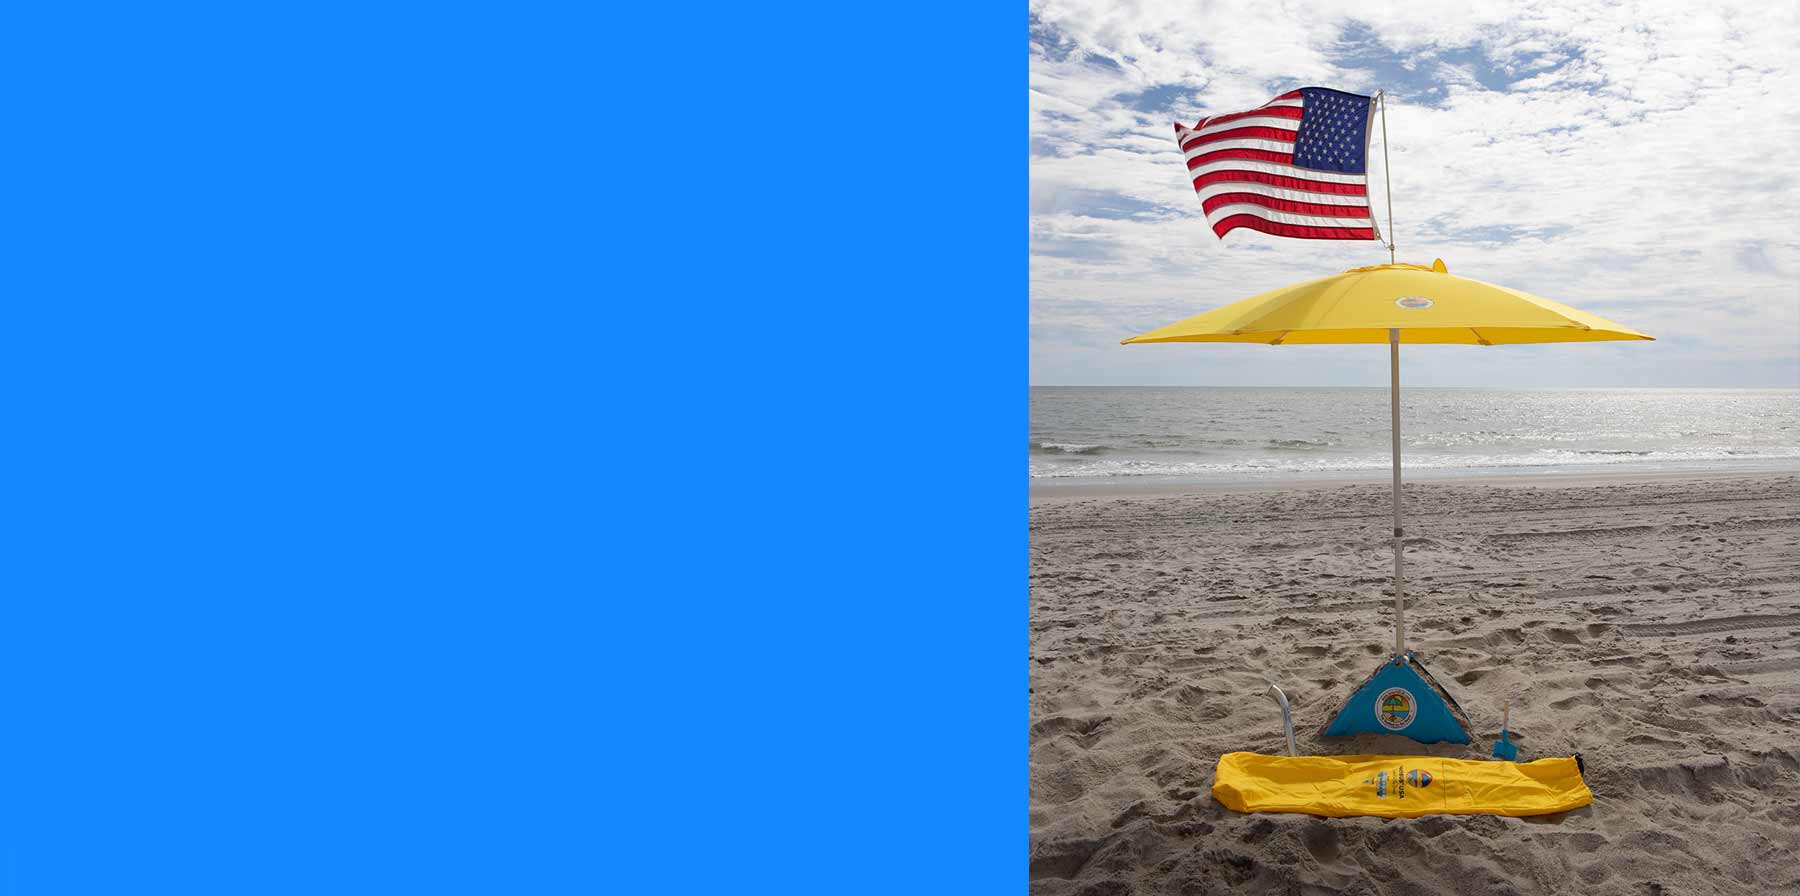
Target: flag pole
[(1381, 96)]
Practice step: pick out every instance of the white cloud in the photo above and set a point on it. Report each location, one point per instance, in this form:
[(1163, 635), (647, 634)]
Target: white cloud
[(1628, 160)]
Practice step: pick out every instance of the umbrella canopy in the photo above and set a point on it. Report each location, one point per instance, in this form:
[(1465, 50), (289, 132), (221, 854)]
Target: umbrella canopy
[(1426, 304)]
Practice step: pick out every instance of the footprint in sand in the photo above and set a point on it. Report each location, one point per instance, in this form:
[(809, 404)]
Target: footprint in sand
[(1321, 839), (1472, 676)]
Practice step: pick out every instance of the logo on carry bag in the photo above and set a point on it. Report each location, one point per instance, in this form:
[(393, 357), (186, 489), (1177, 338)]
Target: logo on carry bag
[(1380, 783), (1418, 778), (1395, 708)]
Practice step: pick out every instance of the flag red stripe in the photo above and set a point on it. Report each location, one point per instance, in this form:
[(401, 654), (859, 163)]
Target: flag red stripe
[(1360, 212), (1249, 133), (1296, 231), (1254, 155), (1294, 112), (1277, 180)]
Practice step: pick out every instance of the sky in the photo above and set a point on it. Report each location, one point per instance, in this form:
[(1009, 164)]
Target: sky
[(1639, 160)]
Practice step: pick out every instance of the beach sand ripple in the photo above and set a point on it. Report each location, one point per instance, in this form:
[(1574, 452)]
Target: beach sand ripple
[(1653, 626)]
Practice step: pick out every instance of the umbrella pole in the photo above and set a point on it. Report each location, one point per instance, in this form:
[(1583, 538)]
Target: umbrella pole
[(1394, 406)]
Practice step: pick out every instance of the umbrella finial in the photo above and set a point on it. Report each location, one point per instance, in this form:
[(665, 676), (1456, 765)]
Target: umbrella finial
[(1438, 265)]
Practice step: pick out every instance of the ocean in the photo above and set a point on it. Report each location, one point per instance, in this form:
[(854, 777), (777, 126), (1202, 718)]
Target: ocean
[(1176, 434)]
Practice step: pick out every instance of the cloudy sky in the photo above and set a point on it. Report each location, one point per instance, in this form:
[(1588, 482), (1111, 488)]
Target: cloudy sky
[(1637, 160)]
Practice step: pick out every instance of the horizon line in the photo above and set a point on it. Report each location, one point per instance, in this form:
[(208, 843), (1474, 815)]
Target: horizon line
[(1384, 386)]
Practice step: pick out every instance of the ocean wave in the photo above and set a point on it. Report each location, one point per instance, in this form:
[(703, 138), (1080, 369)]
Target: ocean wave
[(1223, 433), (1295, 445), (1297, 464), (1055, 448)]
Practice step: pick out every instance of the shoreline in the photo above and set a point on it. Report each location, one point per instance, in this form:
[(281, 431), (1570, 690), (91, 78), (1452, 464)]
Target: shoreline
[(1051, 491)]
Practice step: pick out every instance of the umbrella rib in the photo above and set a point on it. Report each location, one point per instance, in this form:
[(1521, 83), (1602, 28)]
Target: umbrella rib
[(1339, 298), (1478, 338)]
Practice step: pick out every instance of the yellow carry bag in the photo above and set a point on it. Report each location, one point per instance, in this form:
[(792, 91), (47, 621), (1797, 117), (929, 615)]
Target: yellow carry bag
[(1397, 786)]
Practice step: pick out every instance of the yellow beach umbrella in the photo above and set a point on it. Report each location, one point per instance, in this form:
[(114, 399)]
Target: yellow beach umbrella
[(1394, 303), (1424, 304)]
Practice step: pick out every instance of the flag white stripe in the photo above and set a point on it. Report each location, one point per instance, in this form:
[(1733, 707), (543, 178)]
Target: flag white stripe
[(1226, 211), (1330, 177), (1187, 131), (1296, 102), (1260, 121), (1211, 190), (1250, 143)]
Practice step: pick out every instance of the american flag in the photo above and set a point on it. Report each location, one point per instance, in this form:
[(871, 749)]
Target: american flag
[(1295, 166)]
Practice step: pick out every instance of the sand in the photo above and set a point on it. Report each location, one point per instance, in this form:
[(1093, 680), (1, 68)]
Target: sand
[(1652, 625)]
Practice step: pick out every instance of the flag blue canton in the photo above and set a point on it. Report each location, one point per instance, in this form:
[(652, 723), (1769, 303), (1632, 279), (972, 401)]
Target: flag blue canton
[(1334, 131)]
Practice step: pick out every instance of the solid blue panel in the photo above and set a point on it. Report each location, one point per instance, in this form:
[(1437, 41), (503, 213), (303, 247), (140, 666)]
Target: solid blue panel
[(1397, 700), (447, 452)]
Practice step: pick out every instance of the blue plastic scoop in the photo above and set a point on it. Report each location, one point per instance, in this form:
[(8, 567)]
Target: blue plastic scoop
[(1503, 748)]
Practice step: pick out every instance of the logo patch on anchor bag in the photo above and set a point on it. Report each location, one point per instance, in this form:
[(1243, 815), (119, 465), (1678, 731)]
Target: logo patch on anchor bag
[(1395, 709), (1379, 782)]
